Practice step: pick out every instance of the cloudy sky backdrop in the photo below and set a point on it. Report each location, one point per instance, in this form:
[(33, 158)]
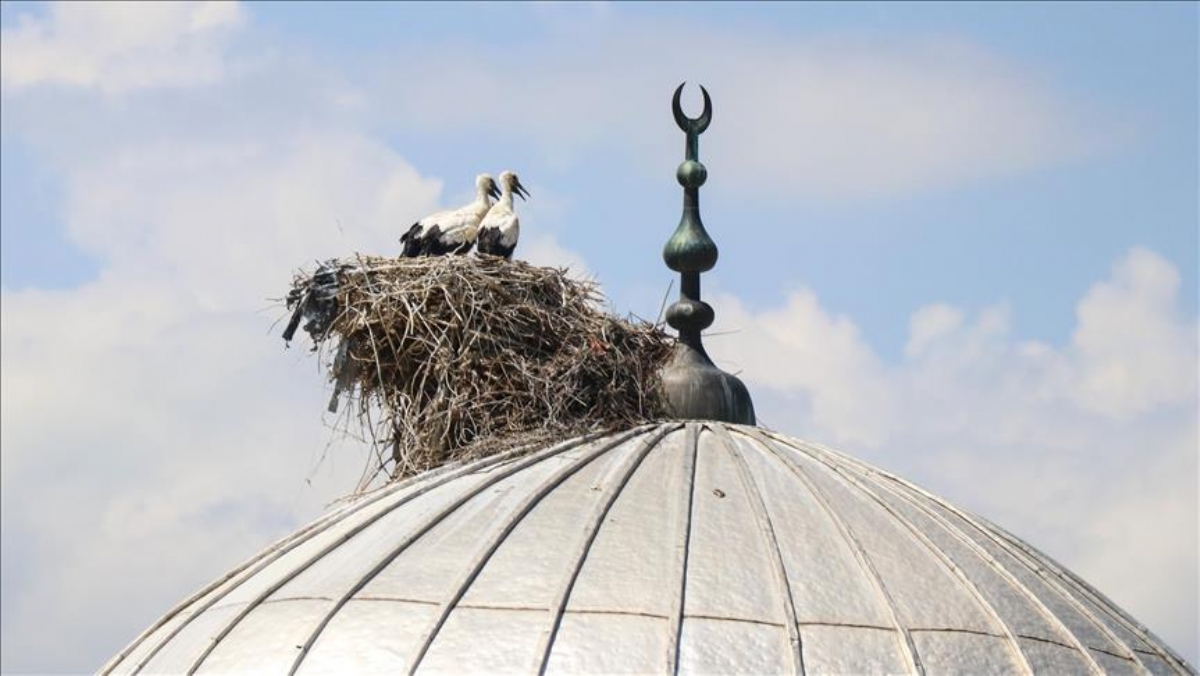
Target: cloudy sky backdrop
[(958, 241)]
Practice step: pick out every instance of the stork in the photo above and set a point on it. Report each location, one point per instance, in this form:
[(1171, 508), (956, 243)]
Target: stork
[(451, 231), (499, 230)]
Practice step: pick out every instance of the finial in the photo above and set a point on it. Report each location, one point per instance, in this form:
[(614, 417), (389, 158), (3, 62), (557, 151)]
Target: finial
[(695, 388)]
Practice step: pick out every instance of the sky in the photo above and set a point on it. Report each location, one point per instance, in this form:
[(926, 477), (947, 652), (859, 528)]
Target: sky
[(958, 241)]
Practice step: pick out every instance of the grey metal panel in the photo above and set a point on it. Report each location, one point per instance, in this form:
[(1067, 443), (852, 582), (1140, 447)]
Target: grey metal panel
[(827, 584), (1110, 621), (330, 573), (956, 652), (251, 571), (792, 462), (487, 641), (766, 527), (678, 565), (1054, 658), (523, 572), (1063, 608), (1156, 664), (1115, 664), (716, 646), (1014, 607), (1135, 636), (1011, 649), (370, 637), (933, 506), (391, 552), (625, 569), (730, 574), (267, 640), (926, 595), (404, 505), (836, 649), (610, 489), (431, 565), (186, 646), (597, 643), (142, 648)]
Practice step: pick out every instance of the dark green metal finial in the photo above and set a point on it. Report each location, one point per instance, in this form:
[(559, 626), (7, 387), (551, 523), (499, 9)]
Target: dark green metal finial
[(690, 249), (694, 387)]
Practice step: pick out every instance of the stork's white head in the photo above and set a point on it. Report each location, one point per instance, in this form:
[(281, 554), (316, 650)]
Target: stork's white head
[(486, 185), (509, 181)]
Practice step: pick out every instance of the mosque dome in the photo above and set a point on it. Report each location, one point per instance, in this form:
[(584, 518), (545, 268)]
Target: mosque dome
[(696, 544), (690, 547)]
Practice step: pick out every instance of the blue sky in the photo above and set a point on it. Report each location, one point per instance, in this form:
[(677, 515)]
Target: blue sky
[(959, 240), (1130, 63)]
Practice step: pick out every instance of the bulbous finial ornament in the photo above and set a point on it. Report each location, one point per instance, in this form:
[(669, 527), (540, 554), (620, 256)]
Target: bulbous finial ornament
[(689, 315), (691, 174), (693, 386), (690, 249)]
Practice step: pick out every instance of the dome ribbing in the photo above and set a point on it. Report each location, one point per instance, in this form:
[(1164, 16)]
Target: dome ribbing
[(692, 547)]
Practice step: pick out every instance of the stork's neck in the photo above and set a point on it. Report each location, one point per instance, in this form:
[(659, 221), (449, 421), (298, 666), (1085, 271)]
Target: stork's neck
[(506, 194), (482, 198)]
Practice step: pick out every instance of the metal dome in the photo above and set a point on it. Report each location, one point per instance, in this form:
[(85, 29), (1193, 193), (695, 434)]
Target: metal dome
[(676, 547)]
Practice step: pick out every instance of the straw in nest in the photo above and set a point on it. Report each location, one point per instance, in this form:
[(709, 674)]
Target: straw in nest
[(449, 358)]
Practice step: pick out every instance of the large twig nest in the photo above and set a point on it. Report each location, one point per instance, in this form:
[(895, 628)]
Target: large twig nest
[(450, 357)]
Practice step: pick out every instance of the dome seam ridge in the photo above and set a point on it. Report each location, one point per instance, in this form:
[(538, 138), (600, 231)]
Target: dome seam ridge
[(601, 510), (375, 518), (979, 550), (1035, 564), (856, 547), (483, 555), (1103, 604), (767, 531), (943, 558), (683, 541), (1002, 570), (432, 521), (313, 530)]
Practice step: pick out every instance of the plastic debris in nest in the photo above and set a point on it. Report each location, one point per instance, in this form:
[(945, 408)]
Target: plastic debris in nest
[(454, 357), (315, 301)]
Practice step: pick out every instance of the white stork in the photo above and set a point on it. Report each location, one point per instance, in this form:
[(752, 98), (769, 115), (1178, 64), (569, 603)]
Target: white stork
[(451, 231), (499, 230)]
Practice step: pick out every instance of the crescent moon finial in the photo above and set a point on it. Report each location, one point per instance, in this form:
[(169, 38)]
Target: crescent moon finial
[(687, 124)]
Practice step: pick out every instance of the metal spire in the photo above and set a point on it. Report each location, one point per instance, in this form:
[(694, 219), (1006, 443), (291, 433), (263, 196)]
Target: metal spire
[(696, 389)]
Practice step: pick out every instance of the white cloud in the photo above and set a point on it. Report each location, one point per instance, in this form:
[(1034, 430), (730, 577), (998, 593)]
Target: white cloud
[(119, 46), (800, 348), (930, 323), (823, 118), (544, 249), (1130, 337), (143, 438), (154, 430), (226, 222), (1089, 450), (818, 117), (840, 119)]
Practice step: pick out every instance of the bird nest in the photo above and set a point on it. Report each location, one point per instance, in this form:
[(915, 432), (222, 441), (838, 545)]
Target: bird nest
[(454, 357)]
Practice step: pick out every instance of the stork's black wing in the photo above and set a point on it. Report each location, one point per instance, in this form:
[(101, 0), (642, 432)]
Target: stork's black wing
[(491, 242), (488, 240), (411, 241), (431, 242)]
